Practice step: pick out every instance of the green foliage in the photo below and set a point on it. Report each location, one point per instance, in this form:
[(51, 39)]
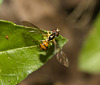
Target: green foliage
[(20, 54), (89, 60), (1, 1)]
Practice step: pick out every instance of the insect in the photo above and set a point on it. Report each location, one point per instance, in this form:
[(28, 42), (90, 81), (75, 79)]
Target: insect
[(51, 37), (61, 56), (7, 37)]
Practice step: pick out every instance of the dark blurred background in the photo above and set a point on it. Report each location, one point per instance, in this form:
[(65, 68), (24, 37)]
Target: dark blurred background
[(74, 18)]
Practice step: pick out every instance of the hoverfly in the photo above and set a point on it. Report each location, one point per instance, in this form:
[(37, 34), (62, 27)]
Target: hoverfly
[(51, 37), (61, 56)]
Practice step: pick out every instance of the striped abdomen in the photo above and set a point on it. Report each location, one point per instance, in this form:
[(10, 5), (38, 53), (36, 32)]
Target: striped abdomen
[(44, 45)]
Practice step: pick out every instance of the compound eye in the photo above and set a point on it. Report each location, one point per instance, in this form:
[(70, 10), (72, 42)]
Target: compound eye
[(57, 34)]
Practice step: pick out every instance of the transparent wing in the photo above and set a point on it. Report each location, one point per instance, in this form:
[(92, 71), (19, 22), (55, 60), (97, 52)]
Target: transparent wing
[(29, 24), (61, 56)]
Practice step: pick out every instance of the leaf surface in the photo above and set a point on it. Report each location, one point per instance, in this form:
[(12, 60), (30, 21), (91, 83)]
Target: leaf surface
[(20, 54), (89, 60)]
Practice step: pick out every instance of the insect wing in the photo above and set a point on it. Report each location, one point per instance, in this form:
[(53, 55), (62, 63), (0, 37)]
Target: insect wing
[(62, 58), (29, 24)]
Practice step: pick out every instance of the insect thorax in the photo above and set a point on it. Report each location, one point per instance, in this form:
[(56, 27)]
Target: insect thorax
[(51, 37)]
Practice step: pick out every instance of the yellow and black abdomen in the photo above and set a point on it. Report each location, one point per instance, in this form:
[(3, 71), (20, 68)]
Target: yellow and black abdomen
[(44, 45)]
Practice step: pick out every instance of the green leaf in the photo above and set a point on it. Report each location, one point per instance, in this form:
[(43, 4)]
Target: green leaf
[(1, 1), (20, 54), (89, 60)]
